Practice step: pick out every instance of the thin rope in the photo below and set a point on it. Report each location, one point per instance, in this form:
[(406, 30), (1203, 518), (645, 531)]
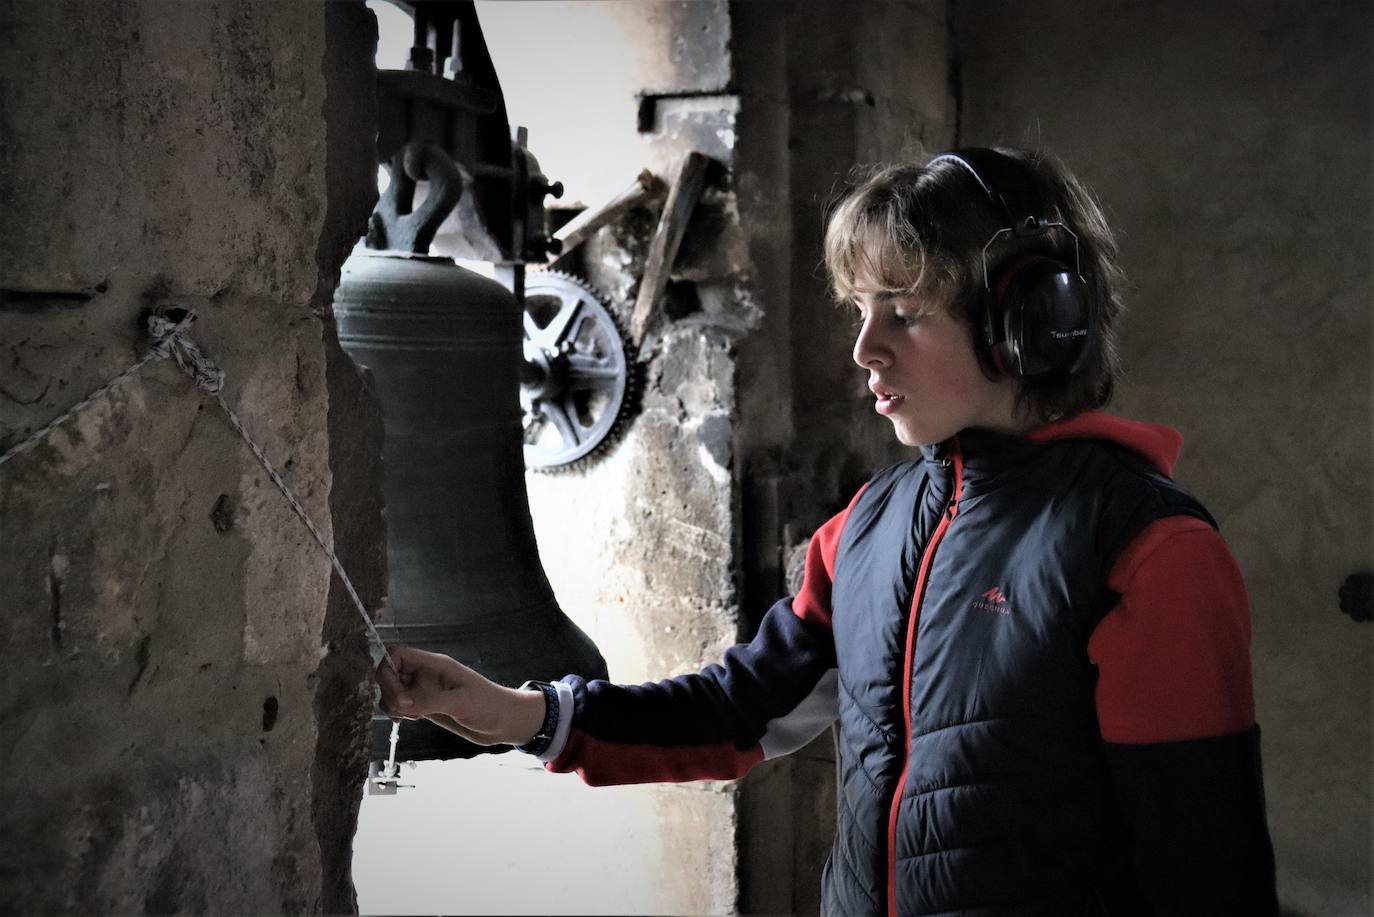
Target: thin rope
[(170, 340), (160, 350)]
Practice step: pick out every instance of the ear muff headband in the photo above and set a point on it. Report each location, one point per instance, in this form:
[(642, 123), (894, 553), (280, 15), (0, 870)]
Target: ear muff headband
[(1003, 182), (1037, 314)]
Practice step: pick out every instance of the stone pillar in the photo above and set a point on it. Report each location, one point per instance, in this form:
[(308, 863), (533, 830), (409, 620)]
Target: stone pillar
[(184, 692)]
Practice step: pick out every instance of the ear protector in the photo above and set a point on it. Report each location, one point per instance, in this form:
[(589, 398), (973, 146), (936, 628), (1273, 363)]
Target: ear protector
[(1037, 311)]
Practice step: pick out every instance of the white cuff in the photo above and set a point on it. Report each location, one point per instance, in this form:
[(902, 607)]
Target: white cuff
[(564, 727)]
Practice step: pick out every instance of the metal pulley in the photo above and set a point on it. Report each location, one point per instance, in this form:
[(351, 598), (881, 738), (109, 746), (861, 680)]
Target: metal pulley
[(444, 349)]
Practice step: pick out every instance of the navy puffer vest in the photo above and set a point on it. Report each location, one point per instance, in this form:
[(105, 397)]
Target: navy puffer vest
[(972, 777)]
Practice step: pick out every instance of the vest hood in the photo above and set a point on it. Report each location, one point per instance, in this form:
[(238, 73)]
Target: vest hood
[(988, 455), (1159, 444)]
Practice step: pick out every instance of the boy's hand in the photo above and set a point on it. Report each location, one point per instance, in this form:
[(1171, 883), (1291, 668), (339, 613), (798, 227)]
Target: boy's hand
[(449, 694)]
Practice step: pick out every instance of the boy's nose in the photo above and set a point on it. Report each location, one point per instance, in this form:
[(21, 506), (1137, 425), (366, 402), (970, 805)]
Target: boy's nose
[(868, 351)]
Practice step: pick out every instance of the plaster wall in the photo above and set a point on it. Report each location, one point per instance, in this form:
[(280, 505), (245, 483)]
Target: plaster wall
[(183, 692), (1231, 146)]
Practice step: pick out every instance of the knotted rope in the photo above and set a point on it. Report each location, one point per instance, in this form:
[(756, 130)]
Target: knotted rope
[(167, 327), (167, 330)]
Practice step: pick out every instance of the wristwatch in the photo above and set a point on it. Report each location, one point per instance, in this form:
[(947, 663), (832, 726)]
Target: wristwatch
[(544, 737)]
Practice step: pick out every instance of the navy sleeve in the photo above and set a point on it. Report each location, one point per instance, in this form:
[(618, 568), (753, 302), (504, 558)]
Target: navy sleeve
[(767, 698), (1196, 815)]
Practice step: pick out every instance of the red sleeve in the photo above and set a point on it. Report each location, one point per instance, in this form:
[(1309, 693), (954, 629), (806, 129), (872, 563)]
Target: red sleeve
[(1173, 656), (812, 601)]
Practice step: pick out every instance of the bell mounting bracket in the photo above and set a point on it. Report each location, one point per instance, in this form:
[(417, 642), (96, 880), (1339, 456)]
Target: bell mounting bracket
[(396, 224)]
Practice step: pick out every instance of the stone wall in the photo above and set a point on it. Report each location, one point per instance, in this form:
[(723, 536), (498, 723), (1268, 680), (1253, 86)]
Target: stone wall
[(1231, 146), (184, 690)]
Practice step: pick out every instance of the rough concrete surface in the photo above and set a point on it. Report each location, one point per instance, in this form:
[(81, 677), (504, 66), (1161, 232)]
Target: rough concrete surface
[(861, 90), (679, 46), (1231, 145), (164, 608)]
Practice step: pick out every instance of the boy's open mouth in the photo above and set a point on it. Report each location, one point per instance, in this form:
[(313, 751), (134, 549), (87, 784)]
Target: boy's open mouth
[(887, 401)]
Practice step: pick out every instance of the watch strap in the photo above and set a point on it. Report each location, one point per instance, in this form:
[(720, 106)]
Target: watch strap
[(549, 728)]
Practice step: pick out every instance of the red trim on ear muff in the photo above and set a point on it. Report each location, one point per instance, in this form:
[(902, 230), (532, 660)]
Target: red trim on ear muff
[(1005, 277)]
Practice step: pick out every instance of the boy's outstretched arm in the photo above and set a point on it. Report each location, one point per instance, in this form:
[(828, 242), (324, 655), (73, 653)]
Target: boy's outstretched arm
[(1176, 709), (769, 697)]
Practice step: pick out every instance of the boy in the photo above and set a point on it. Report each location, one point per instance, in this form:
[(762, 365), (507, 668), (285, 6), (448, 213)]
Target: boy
[(1034, 644)]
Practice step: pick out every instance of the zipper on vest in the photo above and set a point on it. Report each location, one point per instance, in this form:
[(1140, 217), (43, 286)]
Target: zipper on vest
[(956, 459)]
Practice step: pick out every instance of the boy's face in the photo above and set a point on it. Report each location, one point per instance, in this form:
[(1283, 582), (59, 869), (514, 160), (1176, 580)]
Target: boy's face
[(924, 373)]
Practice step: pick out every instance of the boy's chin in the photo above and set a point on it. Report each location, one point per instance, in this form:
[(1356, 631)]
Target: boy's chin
[(909, 436)]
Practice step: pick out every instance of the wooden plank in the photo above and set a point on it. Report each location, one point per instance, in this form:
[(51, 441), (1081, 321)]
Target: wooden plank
[(579, 229), (688, 183)]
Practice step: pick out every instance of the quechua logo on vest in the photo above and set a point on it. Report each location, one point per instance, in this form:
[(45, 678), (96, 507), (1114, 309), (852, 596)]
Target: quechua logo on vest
[(993, 600)]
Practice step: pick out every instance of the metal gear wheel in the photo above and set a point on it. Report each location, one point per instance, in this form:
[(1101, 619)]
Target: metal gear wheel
[(576, 383)]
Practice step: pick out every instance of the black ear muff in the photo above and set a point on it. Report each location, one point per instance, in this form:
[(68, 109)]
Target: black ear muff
[(1038, 319), (1038, 312)]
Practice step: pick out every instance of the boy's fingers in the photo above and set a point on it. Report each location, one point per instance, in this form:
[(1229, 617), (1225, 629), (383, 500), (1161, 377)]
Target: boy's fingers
[(423, 683), (397, 679), (392, 708), (389, 681), (422, 698)]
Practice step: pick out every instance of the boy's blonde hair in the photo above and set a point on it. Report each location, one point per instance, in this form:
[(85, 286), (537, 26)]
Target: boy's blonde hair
[(921, 230)]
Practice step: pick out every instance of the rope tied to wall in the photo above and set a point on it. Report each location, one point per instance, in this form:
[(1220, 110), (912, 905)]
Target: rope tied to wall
[(167, 327)]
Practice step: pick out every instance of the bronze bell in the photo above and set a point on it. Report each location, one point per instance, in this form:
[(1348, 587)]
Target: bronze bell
[(444, 349)]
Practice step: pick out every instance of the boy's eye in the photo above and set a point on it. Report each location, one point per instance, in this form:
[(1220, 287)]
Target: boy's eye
[(909, 318)]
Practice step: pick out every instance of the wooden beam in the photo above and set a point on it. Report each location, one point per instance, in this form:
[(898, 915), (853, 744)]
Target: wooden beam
[(580, 228), (688, 183)]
